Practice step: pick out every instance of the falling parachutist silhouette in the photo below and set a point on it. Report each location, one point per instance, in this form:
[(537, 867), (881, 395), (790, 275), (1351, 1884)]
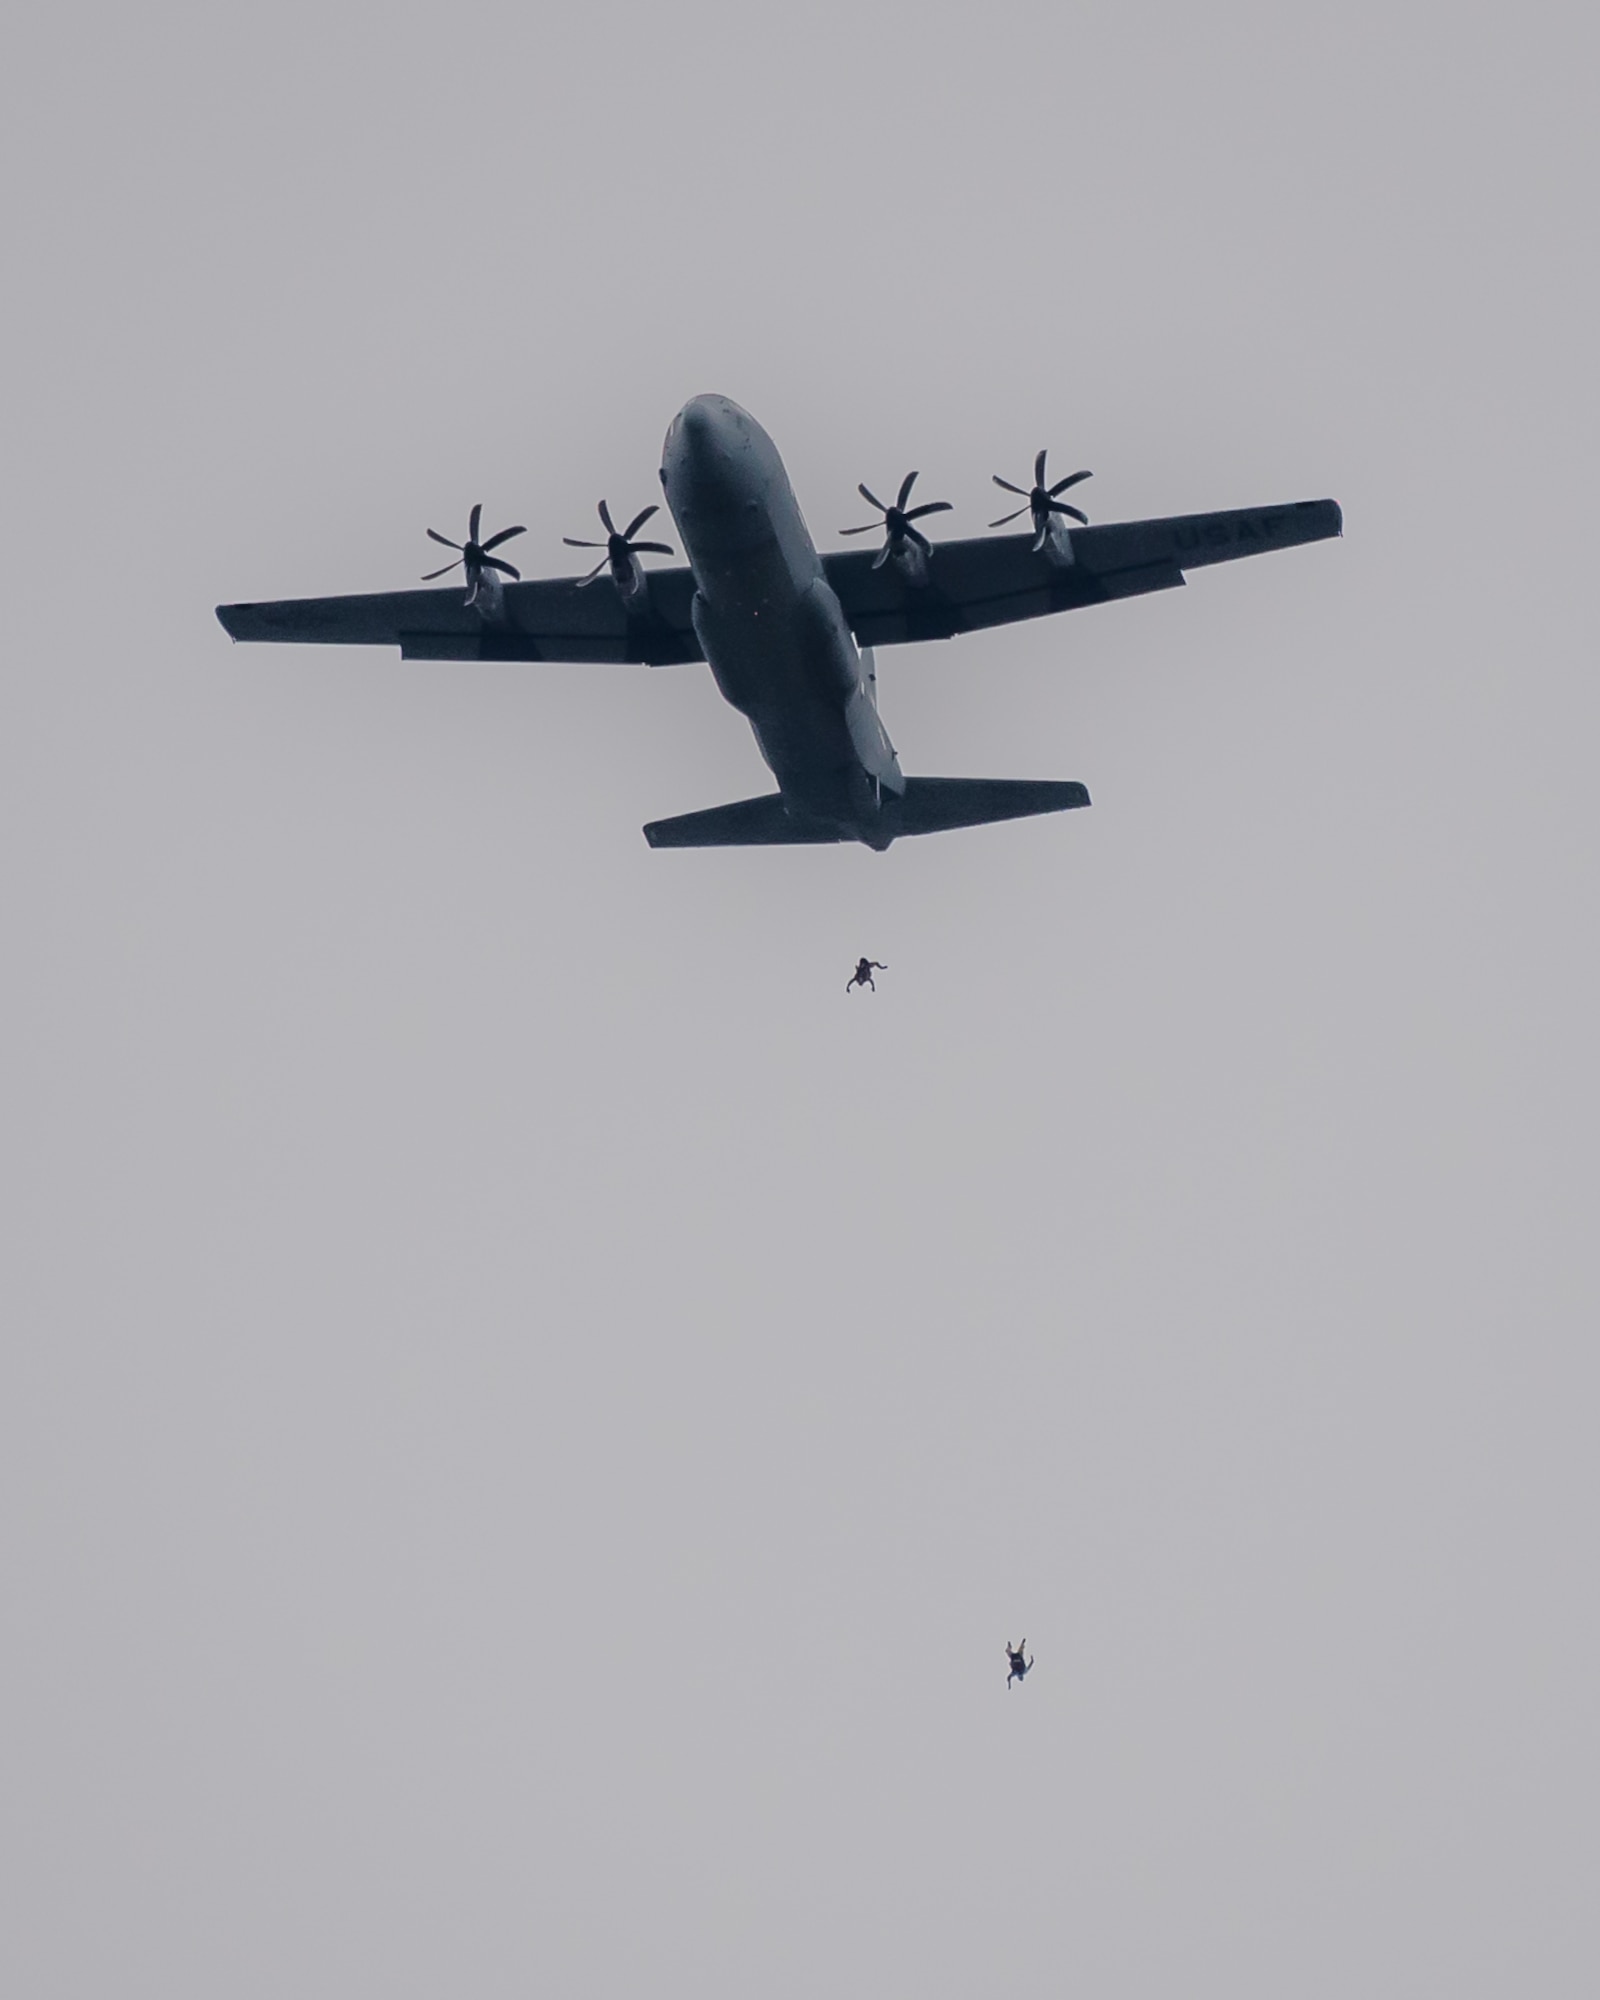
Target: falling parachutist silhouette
[(862, 976)]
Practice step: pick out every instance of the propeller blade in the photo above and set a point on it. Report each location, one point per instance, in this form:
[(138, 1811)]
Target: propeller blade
[(1061, 507), (1040, 539), (472, 526), (504, 535), (1071, 479), (505, 569), (1009, 517), (1006, 483), (882, 556), (443, 540), (871, 528), (573, 543), (653, 548), (906, 485), (916, 535), (929, 507), (1038, 470), (638, 522), (433, 574), (599, 569), (605, 516)]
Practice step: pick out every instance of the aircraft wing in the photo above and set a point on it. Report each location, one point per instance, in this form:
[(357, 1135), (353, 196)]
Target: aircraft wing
[(998, 580), (542, 621), (988, 580)]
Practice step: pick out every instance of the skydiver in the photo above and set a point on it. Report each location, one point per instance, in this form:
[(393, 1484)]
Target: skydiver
[(862, 976), (1019, 1665)]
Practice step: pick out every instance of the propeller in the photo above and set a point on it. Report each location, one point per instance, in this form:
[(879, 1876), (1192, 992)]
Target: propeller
[(620, 547), (1041, 501), (474, 556), (897, 521)]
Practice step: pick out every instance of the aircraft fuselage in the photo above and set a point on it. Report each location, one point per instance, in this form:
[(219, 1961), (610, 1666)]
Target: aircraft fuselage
[(771, 627)]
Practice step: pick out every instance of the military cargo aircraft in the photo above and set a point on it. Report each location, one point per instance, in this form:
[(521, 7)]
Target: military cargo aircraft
[(789, 634)]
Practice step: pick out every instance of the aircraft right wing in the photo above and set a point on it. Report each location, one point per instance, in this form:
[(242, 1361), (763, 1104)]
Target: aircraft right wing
[(998, 580), (554, 620)]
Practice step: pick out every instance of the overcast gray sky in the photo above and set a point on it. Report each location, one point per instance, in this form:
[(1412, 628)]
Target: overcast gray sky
[(525, 1415)]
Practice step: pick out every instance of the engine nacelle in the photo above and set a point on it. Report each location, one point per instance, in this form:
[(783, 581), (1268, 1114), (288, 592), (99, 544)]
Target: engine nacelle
[(909, 563), (1058, 543), (627, 573), (487, 596)]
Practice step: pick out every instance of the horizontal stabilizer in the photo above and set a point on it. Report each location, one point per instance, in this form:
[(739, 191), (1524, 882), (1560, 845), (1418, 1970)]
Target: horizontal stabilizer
[(928, 805), (931, 805), (747, 823)]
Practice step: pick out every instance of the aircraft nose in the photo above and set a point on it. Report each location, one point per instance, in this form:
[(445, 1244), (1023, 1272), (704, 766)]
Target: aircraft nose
[(715, 468), (698, 429), (701, 442), (698, 416)]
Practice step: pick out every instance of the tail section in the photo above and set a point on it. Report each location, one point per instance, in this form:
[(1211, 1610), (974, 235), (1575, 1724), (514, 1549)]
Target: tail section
[(928, 805)]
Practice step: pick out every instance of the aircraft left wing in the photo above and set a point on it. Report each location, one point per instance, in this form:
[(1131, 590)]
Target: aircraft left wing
[(541, 621), (998, 580)]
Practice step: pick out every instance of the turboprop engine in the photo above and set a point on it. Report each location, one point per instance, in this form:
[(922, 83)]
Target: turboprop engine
[(621, 556), (483, 570), (1051, 535), (904, 545)]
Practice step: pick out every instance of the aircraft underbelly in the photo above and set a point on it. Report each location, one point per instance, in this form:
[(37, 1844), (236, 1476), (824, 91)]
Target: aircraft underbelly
[(782, 656), (768, 621)]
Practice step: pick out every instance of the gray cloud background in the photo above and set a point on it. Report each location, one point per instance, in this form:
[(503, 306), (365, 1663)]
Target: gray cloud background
[(525, 1416)]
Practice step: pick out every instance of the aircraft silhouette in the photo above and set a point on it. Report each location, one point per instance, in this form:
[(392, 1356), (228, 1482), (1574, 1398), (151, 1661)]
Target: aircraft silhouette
[(789, 633)]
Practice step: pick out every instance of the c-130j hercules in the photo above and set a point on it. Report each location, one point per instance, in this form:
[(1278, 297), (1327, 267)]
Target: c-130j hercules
[(788, 633)]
